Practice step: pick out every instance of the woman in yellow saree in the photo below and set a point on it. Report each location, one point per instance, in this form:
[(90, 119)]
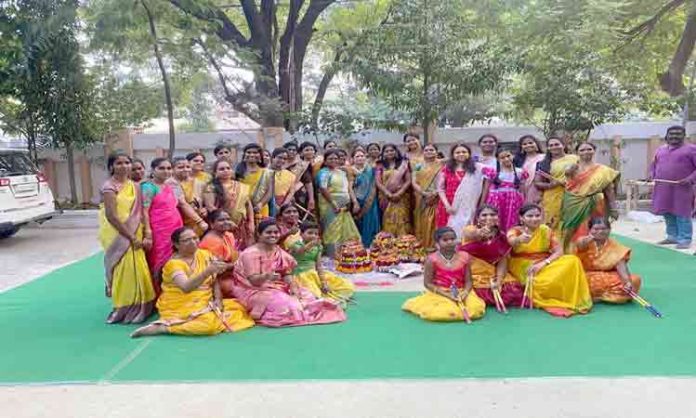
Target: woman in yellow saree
[(191, 302), (589, 194), (606, 264), (550, 179), (198, 172), (252, 172), (128, 281), (393, 182), (559, 285), (284, 180), (425, 196), (335, 199), (193, 194), (233, 197)]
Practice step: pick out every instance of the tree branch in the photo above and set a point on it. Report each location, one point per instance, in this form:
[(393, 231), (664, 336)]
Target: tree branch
[(227, 31), (672, 81), (646, 27)]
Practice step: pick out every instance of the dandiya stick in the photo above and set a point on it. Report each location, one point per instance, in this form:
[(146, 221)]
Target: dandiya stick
[(499, 301), (219, 314), (665, 181), (644, 303), (455, 295)]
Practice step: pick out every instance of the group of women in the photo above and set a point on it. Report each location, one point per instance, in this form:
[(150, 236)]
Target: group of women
[(221, 250)]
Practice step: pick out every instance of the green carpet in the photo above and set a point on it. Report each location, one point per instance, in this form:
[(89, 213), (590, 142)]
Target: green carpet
[(53, 331)]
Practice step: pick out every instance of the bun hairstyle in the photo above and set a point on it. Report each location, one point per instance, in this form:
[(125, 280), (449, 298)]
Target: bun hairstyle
[(176, 236), (307, 225), (496, 180), (157, 161), (265, 224), (112, 160), (520, 155), (192, 155), (440, 232)]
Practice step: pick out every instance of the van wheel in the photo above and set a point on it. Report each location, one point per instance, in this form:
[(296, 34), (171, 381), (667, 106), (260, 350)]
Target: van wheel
[(6, 233)]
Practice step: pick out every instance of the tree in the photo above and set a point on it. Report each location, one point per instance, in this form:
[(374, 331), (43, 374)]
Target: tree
[(430, 54)]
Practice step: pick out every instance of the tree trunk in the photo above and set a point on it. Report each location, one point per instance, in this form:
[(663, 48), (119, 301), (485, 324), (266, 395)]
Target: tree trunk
[(165, 79), (71, 172), (672, 81), (323, 87)]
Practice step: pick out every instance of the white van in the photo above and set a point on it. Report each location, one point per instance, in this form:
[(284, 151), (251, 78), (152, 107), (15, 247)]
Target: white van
[(24, 193)]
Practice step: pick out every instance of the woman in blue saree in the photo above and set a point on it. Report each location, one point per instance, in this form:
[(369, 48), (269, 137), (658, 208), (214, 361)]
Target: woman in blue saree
[(368, 218)]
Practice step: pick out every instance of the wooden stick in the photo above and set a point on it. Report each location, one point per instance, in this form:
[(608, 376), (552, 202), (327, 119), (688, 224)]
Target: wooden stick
[(666, 181)]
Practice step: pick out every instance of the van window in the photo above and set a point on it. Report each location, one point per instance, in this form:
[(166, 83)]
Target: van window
[(15, 164)]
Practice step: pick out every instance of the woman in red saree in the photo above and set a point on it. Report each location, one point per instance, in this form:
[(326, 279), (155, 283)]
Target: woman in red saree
[(265, 286), (606, 264), (220, 242), (393, 182), (490, 249)]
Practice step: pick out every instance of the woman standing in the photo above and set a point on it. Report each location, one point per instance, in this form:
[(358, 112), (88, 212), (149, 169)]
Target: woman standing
[(198, 167), (283, 180), (506, 191), (368, 218), (426, 198), (163, 199), (559, 285), (449, 294), (529, 154), (374, 151), (233, 197), (335, 198), (303, 189), (589, 194), (265, 286), (137, 173), (490, 250), (191, 302), (128, 281), (414, 150), (462, 188), (193, 194), (252, 172), (220, 242), (550, 179), (393, 182)]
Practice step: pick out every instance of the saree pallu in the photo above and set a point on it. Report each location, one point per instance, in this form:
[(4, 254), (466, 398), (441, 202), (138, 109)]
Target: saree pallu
[(552, 199), (368, 219), (424, 211), (600, 267), (271, 304), (258, 182), (584, 199), (193, 313), (396, 216), (463, 190), (307, 276), (203, 177), (127, 276), (224, 248), (337, 228), (485, 257), (193, 194), (164, 219), (283, 182), (560, 288), (529, 168), (236, 199)]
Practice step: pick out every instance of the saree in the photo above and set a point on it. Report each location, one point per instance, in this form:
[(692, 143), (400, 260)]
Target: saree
[(283, 183), (505, 196), (431, 306), (529, 168), (339, 289), (224, 248), (337, 228), (271, 304), (584, 199), (236, 199), (258, 182), (368, 219), (463, 190), (193, 194), (561, 287), (485, 256), (193, 313), (600, 269), (424, 211), (396, 216), (552, 199), (162, 206), (127, 276), (203, 177)]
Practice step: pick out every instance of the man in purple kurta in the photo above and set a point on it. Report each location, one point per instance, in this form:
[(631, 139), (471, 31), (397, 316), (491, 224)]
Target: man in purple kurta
[(675, 161)]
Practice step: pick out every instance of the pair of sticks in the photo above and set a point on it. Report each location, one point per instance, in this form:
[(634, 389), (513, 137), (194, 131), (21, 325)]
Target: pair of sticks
[(455, 295), (527, 299), (498, 298), (644, 303)]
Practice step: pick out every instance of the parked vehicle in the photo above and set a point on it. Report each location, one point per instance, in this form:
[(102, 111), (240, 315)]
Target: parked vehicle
[(24, 193)]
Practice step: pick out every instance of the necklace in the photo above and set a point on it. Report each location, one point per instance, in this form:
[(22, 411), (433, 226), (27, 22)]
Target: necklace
[(448, 261)]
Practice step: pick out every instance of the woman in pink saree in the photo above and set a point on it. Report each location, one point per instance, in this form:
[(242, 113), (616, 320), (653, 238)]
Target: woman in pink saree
[(264, 284), (462, 189), (162, 200), (393, 182), (529, 154)]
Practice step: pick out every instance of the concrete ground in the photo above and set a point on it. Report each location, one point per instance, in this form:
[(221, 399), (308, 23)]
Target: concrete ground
[(37, 250)]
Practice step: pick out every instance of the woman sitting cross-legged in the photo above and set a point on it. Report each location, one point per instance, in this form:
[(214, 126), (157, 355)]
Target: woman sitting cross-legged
[(606, 264), (559, 285), (309, 272), (447, 279), (222, 245), (191, 302), (490, 250), (264, 284)]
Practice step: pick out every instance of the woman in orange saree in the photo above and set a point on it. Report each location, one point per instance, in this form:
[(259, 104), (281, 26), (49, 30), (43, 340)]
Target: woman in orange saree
[(606, 264), (393, 182), (220, 242)]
